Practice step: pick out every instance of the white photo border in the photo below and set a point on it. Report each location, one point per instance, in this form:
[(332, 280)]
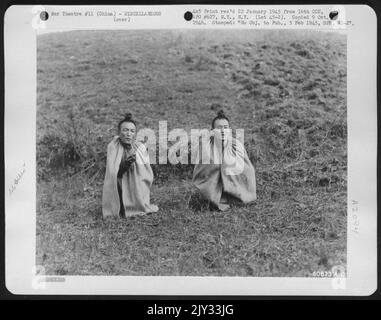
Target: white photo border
[(20, 162)]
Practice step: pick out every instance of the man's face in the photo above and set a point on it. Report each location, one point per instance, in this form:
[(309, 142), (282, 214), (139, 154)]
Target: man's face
[(127, 132), (221, 124)]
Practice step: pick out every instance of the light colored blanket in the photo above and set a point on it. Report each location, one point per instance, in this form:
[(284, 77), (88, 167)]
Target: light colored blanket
[(228, 173), (136, 182)]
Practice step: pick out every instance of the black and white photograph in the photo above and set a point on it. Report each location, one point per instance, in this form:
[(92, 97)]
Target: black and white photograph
[(187, 150), (101, 211)]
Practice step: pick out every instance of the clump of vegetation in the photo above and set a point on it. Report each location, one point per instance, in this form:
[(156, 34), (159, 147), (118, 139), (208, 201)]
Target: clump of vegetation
[(74, 146)]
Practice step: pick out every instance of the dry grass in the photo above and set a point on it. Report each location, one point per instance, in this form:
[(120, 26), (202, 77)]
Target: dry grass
[(286, 89)]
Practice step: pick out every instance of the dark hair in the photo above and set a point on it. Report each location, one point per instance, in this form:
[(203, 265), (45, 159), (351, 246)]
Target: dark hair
[(127, 118), (220, 115)]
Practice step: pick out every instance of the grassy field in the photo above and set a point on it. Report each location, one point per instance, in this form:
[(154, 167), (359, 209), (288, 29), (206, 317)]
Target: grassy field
[(286, 89)]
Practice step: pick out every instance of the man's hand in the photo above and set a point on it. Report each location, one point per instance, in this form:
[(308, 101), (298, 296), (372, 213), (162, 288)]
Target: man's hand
[(226, 136), (126, 164), (223, 136), (131, 159)]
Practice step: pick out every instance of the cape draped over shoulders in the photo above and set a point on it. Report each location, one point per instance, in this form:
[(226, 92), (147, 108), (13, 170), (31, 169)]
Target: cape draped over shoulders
[(136, 182), (232, 174)]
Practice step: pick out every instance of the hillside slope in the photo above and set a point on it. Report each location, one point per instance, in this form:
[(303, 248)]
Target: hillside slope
[(286, 89)]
